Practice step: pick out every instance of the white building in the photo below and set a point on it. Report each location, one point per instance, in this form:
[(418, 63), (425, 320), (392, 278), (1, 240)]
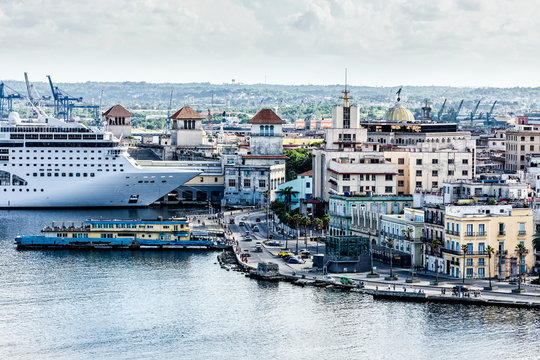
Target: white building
[(118, 121)]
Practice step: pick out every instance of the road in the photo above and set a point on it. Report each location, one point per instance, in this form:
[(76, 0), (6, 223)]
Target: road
[(269, 254)]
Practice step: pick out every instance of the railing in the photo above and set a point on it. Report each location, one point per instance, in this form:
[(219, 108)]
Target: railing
[(501, 233), (454, 252), (471, 234), (450, 232), (522, 233), (499, 252)]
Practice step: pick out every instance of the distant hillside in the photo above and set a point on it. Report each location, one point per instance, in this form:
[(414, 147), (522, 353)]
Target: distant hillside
[(142, 95)]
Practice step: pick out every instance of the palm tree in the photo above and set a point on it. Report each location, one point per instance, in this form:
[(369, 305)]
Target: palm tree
[(520, 250), (318, 224), (306, 221), (390, 244), (296, 221), (489, 251), (408, 232), (287, 221), (326, 223), (436, 244), (464, 248)]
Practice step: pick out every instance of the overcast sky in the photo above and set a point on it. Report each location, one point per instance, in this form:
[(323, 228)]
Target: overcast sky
[(388, 43)]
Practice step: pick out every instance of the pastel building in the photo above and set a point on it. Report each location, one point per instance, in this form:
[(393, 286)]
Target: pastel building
[(301, 189)]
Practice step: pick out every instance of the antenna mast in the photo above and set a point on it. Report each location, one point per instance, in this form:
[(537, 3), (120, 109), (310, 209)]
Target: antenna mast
[(346, 97)]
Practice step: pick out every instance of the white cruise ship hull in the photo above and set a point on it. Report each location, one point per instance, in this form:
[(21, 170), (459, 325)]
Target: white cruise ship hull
[(107, 190)]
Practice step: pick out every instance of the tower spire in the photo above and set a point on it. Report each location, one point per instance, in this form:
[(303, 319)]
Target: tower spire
[(346, 97)]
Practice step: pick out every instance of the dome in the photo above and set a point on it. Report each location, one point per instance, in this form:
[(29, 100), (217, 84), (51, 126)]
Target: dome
[(398, 113)]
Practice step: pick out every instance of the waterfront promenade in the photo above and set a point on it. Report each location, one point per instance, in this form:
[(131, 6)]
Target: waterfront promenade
[(502, 292)]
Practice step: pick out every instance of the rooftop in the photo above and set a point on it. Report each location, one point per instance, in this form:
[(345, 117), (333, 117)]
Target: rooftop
[(117, 111), (186, 113), (266, 116)]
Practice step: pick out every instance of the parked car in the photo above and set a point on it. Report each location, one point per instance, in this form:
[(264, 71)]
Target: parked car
[(284, 252), (305, 253), (256, 228), (293, 260), (345, 280), (328, 278), (241, 223), (273, 243)]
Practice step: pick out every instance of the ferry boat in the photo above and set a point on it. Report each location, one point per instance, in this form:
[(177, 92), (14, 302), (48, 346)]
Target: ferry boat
[(51, 163), (116, 233)]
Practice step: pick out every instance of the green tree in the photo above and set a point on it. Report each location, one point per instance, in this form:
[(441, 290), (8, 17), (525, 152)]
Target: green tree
[(464, 248), (390, 244), (318, 225), (489, 251), (436, 244), (287, 193), (298, 161), (296, 221), (520, 251)]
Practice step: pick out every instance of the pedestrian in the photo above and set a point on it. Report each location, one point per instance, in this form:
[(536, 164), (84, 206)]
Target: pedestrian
[(394, 287), (377, 288)]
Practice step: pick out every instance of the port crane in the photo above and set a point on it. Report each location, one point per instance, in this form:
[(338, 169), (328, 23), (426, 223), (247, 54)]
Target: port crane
[(6, 100), (439, 114), (488, 115), (64, 103), (474, 111)]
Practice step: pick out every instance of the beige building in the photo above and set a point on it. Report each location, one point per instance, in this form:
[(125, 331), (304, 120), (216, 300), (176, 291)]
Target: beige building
[(502, 227), (422, 170), (521, 141)]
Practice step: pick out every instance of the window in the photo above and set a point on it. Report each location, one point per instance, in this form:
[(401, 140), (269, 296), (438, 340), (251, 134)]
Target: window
[(481, 248), (469, 272), (308, 185), (465, 172), (400, 183), (434, 185), (501, 228), (388, 189), (532, 147), (522, 228), (232, 182), (469, 262), (388, 177), (401, 161), (247, 182), (434, 161), (262, 183), (346, 189), (401, 172), (418, 161), (418, 172), (346, 117), (450, 161), (522, 147), (465, 161), (450, 172), (434, 173), (469, 229), (419, 184), (346, 177), (481, 229)]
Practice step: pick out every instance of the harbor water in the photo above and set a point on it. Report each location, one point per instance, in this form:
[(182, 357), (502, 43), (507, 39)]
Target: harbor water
[(123, 304)]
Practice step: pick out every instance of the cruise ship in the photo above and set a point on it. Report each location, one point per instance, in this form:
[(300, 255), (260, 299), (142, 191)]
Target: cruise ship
[(51, 163)]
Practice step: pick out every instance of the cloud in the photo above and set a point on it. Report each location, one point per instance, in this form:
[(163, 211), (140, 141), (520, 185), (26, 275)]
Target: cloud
[(297, 41)]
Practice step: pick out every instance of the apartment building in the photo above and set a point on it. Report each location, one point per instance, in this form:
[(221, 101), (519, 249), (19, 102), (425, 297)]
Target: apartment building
[(502, 227), (522, 140), (426, 170)]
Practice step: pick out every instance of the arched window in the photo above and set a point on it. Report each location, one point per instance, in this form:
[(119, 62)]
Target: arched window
[(271, 130), (266, 131), (262, 131)]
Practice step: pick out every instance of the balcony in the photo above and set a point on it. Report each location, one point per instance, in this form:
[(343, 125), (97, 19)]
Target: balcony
[(522, 233), (450, 232), (501, 253), (475, 234), (501, 233)]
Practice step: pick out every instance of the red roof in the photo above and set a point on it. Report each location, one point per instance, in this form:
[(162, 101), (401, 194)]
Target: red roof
[(266, 116), (118, 111), (186, 113), (307, 173)]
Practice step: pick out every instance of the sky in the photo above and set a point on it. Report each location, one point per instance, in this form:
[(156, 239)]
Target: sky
[(381, 42)]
